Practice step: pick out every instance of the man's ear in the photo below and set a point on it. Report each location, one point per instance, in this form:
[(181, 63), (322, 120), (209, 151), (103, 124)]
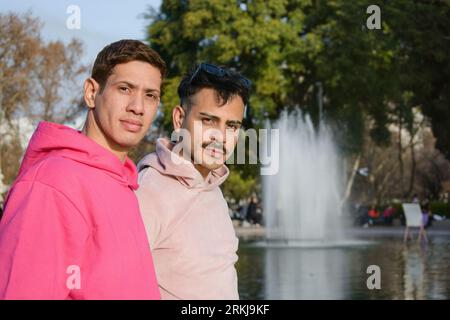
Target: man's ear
[(178, 116), (91, 88)]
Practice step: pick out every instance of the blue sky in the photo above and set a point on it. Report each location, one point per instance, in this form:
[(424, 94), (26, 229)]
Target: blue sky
[(102, 21)]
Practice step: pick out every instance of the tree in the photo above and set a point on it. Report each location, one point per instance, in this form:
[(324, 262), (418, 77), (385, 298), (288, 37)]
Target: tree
[(238, 188), (19, 42), (38, 81), (427, 74), (57, 73), (432, 169), (287, 47), (261, 39)]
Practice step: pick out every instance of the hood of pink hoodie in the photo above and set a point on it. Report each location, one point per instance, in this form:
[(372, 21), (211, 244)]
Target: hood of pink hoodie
[(171, 164), (55, 139), (74, 205)]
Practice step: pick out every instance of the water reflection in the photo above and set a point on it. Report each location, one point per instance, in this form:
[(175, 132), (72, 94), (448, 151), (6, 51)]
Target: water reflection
[(304, 274), (414, 261), (407, 271)]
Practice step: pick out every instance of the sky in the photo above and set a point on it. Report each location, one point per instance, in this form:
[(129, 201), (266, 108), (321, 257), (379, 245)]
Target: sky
[(101, 21)]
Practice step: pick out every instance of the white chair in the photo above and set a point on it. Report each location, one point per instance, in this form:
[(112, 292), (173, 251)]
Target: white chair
[(413, 215)]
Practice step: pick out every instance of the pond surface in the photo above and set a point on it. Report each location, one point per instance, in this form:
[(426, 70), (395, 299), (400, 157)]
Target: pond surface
[(411, 271)]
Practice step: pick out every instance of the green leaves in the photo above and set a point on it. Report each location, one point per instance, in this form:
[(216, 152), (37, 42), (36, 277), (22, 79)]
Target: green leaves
[(259, 38), (285, 47)]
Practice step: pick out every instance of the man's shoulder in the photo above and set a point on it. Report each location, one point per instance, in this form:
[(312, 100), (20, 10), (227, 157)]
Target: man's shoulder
[(149, 175), (55, 171), (145, 163)]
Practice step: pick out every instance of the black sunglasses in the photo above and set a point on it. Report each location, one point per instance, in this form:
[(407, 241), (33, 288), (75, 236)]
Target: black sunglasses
[(218, 72)]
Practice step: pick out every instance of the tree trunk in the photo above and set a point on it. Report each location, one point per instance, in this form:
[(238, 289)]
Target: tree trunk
[(413, 169), (348, 188), (400, 158)]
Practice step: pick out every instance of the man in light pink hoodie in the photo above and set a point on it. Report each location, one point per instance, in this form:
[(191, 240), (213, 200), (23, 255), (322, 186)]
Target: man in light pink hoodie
[(71, 227), (186, 217)]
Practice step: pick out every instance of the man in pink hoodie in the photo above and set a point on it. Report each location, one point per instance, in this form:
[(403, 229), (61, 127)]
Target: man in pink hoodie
[(71, 227), (186, 217)]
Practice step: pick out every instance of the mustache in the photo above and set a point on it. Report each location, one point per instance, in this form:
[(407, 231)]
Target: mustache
[(215, 145)]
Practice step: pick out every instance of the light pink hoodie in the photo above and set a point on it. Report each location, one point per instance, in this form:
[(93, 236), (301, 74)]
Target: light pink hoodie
[(73, 208), (189, 228)]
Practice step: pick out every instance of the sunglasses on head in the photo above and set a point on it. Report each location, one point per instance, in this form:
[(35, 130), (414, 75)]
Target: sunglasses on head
[(218, 72)]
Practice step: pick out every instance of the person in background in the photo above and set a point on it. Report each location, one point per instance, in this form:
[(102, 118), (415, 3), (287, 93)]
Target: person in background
[(252, 215), (427, 215), (388, 215), (374, 214)]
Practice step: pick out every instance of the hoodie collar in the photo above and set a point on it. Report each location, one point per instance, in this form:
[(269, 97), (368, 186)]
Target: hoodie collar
[(56, 139), (169, 163)]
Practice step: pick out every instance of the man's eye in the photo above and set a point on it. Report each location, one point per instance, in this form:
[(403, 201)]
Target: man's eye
[(153, 96), (207, 121), (124, 89)]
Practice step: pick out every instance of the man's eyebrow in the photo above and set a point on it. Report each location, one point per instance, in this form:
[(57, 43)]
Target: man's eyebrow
[(234, 122), (209, 115), (133, 86), (216, 118), (152, 90)]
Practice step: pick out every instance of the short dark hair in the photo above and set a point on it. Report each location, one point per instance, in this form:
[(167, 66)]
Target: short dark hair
[(124, 51), (227, 85)]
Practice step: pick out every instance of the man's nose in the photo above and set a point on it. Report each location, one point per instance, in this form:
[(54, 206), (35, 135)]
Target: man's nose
[(136, 104), (218, 134)]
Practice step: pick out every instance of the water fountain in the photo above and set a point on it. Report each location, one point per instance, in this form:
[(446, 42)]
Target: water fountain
[(302, 202), (307, 253)]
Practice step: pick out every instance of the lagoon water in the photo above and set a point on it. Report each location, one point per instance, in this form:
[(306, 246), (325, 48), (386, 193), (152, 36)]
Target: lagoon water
[(307, 251), (410, 271)]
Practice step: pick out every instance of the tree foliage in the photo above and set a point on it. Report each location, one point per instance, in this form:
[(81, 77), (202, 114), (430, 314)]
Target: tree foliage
[(286, 47), (39, 80)]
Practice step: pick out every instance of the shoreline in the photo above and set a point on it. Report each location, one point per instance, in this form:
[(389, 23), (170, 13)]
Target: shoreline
[(439, 228)]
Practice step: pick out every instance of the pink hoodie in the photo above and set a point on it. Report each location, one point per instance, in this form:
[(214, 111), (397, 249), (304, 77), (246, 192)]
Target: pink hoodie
[(189, 228), (71, 228)]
